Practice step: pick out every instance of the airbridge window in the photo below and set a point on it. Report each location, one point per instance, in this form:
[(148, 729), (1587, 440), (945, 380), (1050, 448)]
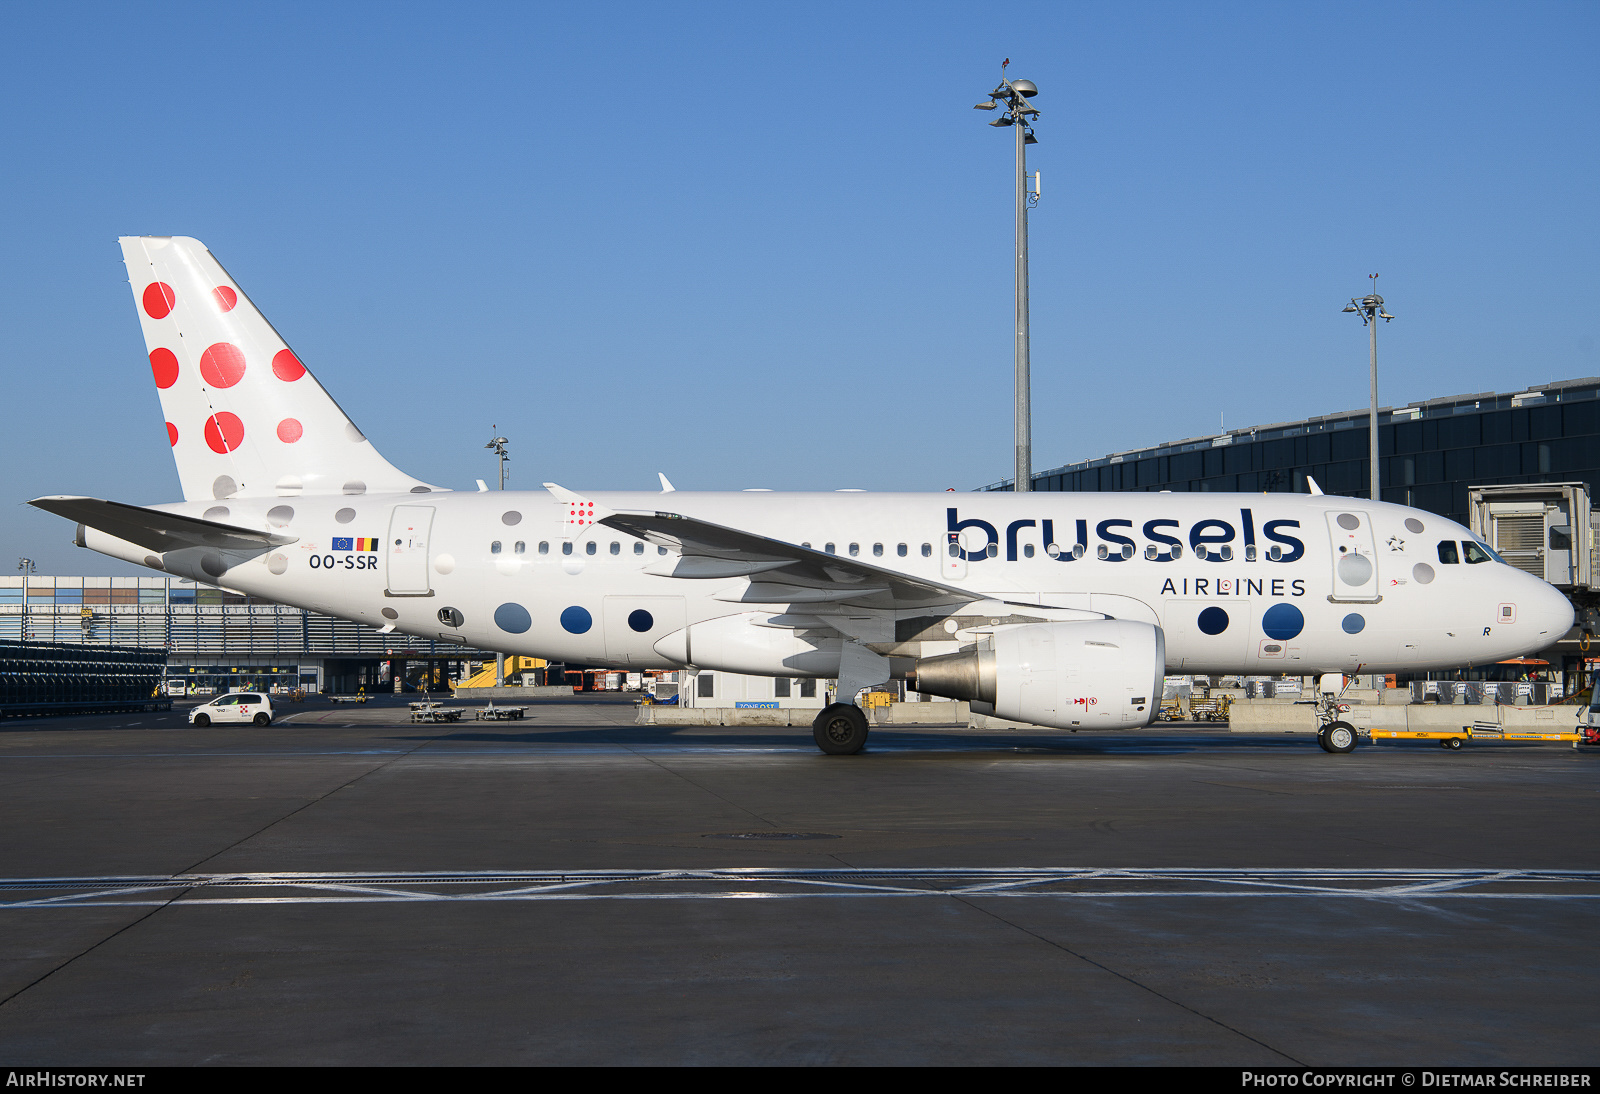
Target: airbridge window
[(1447, 552)]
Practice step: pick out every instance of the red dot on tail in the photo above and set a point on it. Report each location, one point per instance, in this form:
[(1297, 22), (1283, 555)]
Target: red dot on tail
[(286, 366), (224, 432), (158, 300), (172, 434), (289, 431), (222, 365), (164, 365), (225, 297)]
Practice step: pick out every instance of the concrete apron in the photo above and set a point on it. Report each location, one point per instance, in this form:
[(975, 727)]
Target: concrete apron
[(1273, 717), (946, 713)]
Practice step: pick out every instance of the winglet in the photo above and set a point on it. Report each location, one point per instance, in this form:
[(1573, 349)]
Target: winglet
[(1311, 485), (666, 487), (582, 514)]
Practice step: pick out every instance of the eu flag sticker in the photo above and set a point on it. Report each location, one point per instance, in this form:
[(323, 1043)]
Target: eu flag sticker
[(343, 544)]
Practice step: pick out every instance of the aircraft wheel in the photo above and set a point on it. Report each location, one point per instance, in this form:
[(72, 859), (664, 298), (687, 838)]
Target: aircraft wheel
[(840, 730), (1322, 738), (202, 719), (1453, 743), (1339, 737), (261, 719)]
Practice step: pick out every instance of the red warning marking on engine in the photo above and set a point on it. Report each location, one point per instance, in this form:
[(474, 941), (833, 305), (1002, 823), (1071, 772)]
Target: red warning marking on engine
[(158, 300), (172, 434), (164, 366), (289, 431), (224, 432), (286, 366), (225, 297), (222, 365)]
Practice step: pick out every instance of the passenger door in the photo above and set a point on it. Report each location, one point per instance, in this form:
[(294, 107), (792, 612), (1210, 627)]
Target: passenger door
[(407, 550)]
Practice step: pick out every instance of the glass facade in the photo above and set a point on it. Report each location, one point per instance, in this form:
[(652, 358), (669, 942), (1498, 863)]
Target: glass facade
[(1429, 453), (187, 619)]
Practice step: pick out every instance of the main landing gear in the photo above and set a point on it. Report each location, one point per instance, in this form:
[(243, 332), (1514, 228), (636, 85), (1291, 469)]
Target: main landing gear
[(840, 730)]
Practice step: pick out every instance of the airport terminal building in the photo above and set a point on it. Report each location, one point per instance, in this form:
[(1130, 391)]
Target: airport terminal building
[(217, 640), (1430, 453)]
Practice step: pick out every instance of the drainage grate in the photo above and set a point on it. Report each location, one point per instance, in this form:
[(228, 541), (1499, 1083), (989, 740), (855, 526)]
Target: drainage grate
[(768, 835)]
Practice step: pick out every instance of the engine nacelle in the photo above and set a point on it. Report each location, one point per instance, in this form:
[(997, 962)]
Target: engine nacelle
[(1100, 674)]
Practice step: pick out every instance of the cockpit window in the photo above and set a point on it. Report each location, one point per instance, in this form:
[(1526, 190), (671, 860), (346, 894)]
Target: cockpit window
[(1478, 552), (1447, 552)]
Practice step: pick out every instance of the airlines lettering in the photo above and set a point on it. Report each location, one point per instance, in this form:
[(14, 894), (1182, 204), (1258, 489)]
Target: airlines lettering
[(1209, 540)]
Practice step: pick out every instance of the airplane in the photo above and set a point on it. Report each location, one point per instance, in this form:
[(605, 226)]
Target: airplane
[(1063, 610)]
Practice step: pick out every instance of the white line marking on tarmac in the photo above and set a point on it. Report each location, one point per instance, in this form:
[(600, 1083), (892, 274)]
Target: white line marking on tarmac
[(766, 883)]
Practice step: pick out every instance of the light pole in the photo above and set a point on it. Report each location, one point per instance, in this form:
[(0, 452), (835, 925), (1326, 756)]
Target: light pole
[(498, 446), (1370, 308), (1014, 96), (27, 567)]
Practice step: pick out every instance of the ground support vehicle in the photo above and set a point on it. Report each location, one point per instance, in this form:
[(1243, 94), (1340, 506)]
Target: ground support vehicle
[(433, 712), (492, 713), (238, 707)]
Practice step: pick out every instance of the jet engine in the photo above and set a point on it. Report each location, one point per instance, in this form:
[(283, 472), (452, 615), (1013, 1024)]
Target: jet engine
[(1101, 673)]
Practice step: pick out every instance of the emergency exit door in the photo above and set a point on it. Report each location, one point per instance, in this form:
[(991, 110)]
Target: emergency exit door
[(1355, 557), (407, 550)]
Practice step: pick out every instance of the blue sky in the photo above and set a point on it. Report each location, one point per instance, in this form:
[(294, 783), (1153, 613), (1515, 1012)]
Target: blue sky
[(770, 245)]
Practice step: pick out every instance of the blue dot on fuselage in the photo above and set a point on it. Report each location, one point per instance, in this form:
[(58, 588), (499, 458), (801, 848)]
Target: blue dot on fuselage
[(641, 620), (577, 620), (512, 618), (1353, 623), (1213, 621), (1283, 622)]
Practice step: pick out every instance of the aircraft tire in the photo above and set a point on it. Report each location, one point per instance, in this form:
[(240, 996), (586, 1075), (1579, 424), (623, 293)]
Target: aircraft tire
[(1339, 737), (840, 730)]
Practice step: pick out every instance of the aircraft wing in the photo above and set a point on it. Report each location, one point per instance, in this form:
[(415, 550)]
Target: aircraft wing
[(780, 573), (154, 529)]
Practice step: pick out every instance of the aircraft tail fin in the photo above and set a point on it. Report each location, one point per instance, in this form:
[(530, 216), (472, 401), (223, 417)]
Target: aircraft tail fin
[(244, 416)]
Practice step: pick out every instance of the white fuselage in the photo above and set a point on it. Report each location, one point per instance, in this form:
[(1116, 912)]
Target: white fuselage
[(1261, 583)]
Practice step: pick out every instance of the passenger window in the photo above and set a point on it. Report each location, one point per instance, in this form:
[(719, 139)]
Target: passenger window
[(544, 546), (616, 548), (877, 550), (520, 548), (1447, 552), (927, 550), (828, 547), (566, 548), (661, 550), (1027, 550), (1475, 553), (955, 549), (494, 548), (992, 550), (855, 549), (901, 550), (807, 546), (638, 548), (590, 547)]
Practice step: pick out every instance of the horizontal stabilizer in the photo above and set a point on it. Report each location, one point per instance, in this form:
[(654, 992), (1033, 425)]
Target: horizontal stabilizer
[(155, 530)]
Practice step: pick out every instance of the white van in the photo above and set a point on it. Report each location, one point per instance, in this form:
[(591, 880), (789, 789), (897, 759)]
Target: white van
[(241, 706)]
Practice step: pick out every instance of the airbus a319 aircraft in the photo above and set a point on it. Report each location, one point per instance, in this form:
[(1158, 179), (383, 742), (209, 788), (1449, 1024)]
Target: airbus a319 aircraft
[(1063, 610)]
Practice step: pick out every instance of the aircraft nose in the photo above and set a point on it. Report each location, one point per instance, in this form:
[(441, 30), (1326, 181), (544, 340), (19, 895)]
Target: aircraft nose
[(1552, 613)]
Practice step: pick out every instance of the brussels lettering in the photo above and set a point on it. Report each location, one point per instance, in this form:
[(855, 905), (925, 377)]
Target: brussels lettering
[(1212, 540)]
